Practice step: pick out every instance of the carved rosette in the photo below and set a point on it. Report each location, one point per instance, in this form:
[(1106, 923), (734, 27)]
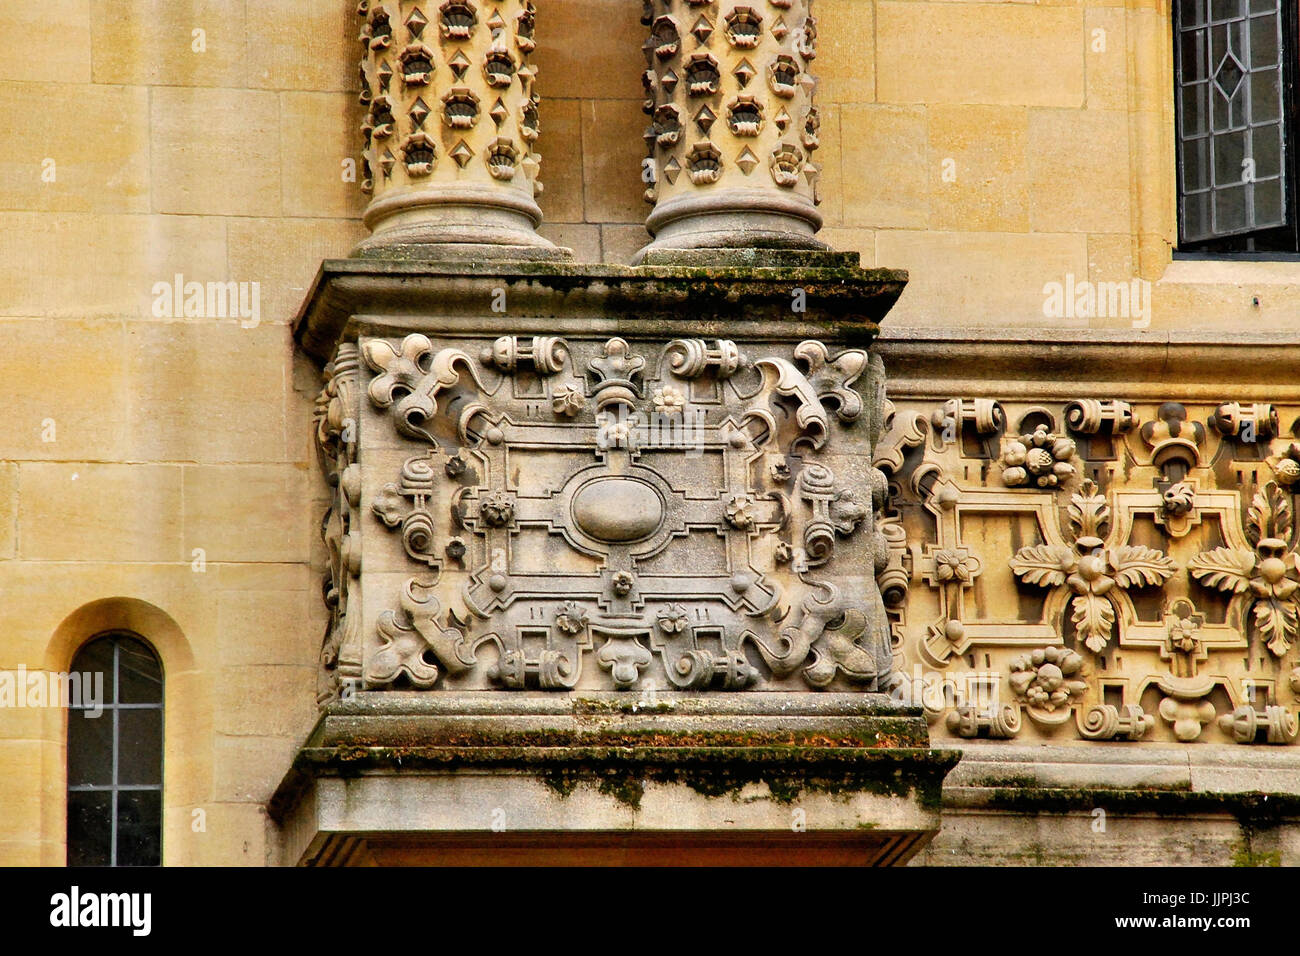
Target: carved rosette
[(554, 514), (733, 128), (450, 125)]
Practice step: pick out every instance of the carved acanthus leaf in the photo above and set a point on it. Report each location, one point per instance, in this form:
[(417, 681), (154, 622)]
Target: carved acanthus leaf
[(1270, 514), (1137, 565), (1277, 621), (1093, 618), (1088, 511), (1227, 569), (1044, 565)]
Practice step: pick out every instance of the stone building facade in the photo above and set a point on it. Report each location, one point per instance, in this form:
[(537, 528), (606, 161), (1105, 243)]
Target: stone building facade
[(957, 525)]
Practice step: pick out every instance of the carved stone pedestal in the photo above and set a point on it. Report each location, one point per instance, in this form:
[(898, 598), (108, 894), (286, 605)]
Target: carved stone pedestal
[(579, 508)]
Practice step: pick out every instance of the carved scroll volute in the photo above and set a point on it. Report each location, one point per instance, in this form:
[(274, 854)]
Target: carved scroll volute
[(451, 121), (732, 127)]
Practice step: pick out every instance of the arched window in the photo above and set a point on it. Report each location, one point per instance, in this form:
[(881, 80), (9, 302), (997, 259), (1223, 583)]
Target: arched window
[(115, 756)]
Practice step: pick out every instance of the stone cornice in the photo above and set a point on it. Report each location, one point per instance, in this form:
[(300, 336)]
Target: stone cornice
[(370, 296), (1132, 364)]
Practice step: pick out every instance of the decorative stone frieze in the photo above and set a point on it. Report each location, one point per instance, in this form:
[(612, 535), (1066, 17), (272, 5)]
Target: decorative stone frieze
[(1158, 574), (565, 509), (451, 122), (732, 128)]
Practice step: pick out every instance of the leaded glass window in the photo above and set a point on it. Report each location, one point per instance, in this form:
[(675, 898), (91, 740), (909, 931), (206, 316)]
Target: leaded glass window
[(1235, 61), (115, 757)]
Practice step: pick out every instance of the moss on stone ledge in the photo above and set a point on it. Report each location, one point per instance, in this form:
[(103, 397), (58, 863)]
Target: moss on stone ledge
[(622, 772)]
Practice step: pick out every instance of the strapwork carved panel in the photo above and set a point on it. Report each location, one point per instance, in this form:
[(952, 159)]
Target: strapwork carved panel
[(533, 512), (1110, 571)]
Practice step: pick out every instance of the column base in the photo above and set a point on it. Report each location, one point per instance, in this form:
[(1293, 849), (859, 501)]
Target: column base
[(731, 222), (457, 224)]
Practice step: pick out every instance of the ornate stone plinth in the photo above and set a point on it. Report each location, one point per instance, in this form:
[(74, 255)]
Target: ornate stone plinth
[(620, 484), (603, 556), (449, 134), (732, 126)]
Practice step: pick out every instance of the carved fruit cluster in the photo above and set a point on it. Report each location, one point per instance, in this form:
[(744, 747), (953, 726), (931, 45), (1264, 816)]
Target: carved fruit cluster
[(1048, 678), (1041, 459)]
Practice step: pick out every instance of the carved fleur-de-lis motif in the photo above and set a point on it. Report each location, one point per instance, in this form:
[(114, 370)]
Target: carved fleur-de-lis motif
[(1269, 575), (1090, 569), (411, 377), (833, 378), (400, 367), (616, 375)]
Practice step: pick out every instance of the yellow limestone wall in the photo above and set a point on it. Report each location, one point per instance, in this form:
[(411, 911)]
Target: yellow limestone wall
[(165, 463)]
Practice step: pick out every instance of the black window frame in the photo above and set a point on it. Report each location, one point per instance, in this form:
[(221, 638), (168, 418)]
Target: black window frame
[(113, 707), (1278, 243)]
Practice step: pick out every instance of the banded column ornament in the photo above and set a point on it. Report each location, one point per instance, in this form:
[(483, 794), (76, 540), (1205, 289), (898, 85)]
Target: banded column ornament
[(450, 126), (733, 127)]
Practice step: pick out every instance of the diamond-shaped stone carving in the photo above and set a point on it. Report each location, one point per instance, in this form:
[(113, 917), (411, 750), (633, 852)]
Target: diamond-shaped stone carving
[(462, 154), (705, 118), (419, 112), (672, 169), (459, 63), (744, 72), (782, 120), (702, 30), (669, 82), (416, 23), (498, 112), (747, 160)]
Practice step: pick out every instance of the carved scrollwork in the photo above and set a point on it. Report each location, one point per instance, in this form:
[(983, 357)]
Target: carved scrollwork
[(413, 643), (552, 526), (1268, 576), (411, 378), (1170, 567)]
